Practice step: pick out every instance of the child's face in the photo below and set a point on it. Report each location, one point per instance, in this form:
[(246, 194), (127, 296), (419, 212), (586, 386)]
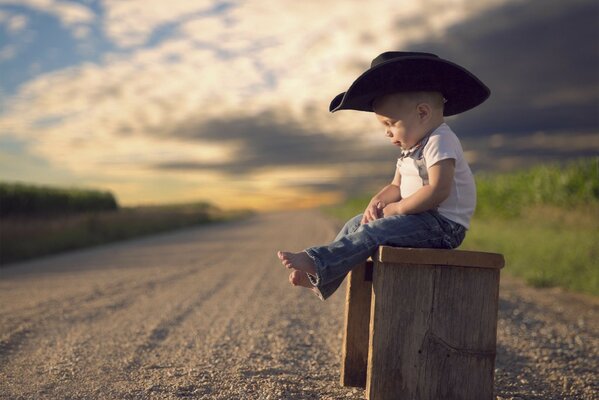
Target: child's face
[(400, 117)]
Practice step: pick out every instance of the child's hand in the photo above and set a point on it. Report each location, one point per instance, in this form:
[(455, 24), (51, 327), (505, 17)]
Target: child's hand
[(391, 209), (373, 211)]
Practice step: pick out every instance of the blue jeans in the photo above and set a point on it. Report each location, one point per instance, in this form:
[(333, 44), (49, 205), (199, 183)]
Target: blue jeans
[(355, 243)]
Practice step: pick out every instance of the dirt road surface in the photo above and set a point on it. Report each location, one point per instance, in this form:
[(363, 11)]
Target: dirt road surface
[(208, 313)]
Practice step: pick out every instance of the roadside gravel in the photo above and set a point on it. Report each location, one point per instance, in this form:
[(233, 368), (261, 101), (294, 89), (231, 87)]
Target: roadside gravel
[(207, 313)]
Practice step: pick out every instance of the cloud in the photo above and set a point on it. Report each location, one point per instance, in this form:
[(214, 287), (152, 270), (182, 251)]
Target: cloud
[(16, 24), (74, 16), (130, 23), (18, 34), (69, 13), (264, 142), (240, 92), (540, 60), (287, 155)]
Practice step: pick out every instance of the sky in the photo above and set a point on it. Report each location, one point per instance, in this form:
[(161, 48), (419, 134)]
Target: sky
[(227, 101)]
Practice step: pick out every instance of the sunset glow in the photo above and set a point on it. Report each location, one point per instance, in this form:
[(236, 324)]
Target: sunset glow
[(227, 101)]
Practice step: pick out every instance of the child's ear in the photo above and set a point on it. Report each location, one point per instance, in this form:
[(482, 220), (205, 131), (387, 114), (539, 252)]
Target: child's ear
[(424, 111)]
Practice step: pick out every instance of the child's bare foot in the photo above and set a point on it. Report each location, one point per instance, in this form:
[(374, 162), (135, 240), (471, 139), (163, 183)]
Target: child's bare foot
[(299, 278), (301, 261)]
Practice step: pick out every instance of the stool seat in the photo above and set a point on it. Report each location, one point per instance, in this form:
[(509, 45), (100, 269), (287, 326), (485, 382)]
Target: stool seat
[(459, 258)]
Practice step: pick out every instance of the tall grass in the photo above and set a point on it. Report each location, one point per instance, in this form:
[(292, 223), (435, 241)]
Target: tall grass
[(546, 246), (28, 235), (545, 220), (569, 185), (20, 198)]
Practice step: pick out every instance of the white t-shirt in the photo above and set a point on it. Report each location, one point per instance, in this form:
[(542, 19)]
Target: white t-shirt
[(442, 144)]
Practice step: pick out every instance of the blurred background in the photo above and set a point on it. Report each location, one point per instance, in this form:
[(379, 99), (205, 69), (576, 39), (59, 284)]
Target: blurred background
[(223, 105), (227, 101)]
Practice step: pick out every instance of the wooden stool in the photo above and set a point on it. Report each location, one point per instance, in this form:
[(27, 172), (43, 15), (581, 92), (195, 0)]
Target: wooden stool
[(422, 324)]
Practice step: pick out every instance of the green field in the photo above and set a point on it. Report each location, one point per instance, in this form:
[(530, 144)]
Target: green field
[(37, 221), (25, 199), (545, 221), (544, 246)]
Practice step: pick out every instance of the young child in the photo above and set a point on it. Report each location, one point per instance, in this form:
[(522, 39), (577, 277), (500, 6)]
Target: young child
[(432, 196)]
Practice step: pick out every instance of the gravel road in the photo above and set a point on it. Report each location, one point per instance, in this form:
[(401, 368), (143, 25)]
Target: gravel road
[(208, 313)]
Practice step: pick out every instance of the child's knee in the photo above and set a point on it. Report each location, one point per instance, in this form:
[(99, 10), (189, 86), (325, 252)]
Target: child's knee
[(353, 221)]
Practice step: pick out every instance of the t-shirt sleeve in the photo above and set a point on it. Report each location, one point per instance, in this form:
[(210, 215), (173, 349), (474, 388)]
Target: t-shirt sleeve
[(440, 147)]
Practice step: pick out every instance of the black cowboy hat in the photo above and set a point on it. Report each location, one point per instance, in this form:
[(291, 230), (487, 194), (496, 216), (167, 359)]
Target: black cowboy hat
[(399, 71)]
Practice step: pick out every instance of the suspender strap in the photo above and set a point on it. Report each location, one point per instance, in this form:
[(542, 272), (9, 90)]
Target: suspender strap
[(417, 154), (418, 157)]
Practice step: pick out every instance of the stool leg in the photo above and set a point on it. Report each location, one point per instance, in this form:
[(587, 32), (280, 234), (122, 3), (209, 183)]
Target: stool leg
[(354, 353)]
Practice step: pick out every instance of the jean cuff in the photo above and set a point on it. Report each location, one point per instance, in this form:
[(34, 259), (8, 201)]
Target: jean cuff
[(316, 279)]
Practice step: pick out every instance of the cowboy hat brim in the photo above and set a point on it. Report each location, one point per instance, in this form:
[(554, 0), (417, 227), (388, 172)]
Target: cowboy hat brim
[(462, 90)]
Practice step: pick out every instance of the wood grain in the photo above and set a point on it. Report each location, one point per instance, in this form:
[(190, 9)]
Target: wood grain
[(475, 259), (432, 331)]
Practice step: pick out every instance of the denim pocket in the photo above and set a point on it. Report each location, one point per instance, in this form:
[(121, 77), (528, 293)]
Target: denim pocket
[(454, 233), (434, 221), (457, 236)]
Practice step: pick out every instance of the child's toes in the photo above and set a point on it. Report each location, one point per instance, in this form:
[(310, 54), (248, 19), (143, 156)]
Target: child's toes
[(293, 279), (297, 278)]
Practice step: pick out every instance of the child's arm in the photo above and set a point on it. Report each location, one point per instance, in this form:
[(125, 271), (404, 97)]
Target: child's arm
[(389, 194), (428, 197)]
